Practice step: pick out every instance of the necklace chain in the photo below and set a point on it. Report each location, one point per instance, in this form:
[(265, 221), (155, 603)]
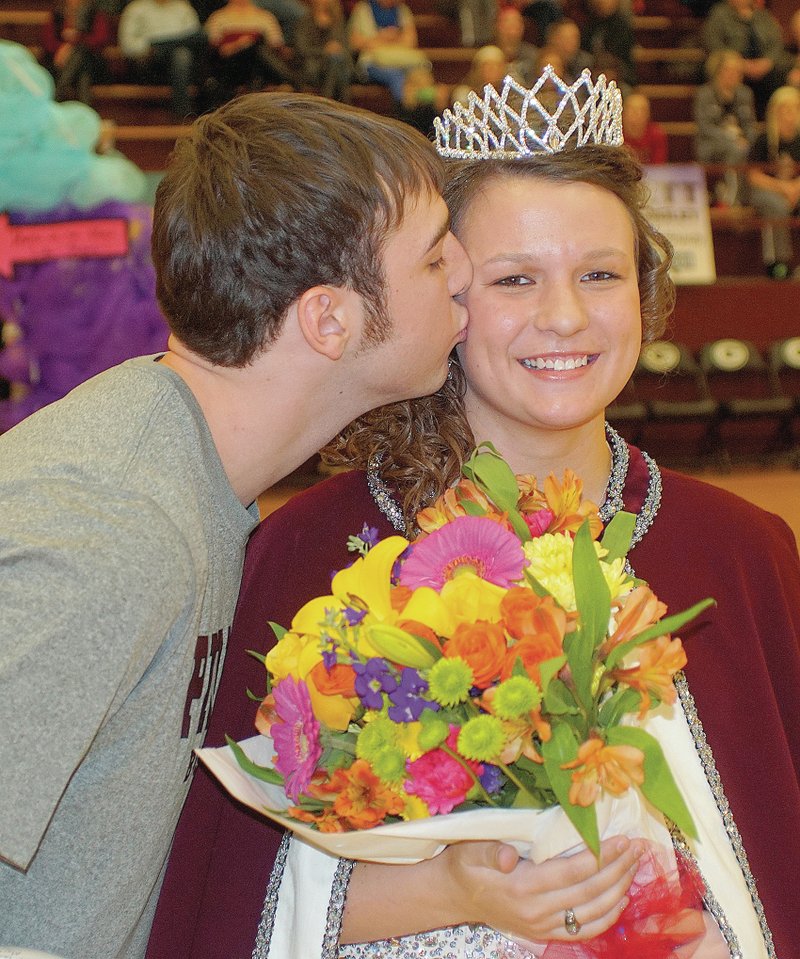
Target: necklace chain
[(612, 503)]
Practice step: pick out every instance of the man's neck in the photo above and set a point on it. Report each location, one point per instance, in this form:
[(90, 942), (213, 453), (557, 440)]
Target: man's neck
[(266, 419)]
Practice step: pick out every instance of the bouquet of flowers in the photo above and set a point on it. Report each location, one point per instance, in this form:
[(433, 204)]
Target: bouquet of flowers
[(498, 665)]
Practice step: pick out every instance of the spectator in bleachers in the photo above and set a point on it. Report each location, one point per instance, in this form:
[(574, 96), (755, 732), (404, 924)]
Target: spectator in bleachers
[(793, 77), (724, 111), (321, 47), (384, 36), (608, 30), (543, 13), (775, 191), (564, 37), (423, 98), (247, 49), (489, 65), (509, 35), (745, 26), (475, 19), (163, 38), (643, 136), (73, 39), (288, 13)]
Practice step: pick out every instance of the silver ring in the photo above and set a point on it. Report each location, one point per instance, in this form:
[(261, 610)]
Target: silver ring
[(571, 924)]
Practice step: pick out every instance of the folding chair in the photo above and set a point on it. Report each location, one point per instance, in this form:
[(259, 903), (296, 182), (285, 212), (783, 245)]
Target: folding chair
[(754, 420), (681, 411)]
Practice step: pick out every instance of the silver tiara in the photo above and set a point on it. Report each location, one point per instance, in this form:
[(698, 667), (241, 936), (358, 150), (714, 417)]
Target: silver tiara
[(515, 123)]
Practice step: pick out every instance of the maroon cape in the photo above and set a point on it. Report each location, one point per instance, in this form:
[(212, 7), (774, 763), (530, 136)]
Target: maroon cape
[(743, 670)]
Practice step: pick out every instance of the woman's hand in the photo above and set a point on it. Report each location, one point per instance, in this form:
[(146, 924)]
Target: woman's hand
[(529, 902), (488, 883)]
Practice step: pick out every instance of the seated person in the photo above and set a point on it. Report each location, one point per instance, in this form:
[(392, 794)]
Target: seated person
[(73, 39), (564, 39), (162, 38), (607, 30), (775, 190), (793, 77), (724, 111), (509, 35), (745, 26), (247, 48), (321, 47), (489, 65), (383, 35), (645, 138), (423, 98)]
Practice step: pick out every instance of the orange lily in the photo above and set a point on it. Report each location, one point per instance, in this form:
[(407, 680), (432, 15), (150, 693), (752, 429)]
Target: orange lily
[(564, 500), (640, 609), (448, 506), (598, 767), (659, 660)]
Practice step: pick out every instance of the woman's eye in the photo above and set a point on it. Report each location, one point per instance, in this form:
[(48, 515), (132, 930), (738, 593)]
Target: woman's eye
[(602, 275), (513, 281), (438, 264)]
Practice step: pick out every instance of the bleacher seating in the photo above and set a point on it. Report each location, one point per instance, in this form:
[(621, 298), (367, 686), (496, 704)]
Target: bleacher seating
[(668, 57)]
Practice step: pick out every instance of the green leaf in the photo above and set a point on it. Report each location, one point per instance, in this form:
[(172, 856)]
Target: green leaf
[(265, 773), (280, 631), (592, 596), (490, 472), (562, 748), (624, 700), (617, 535), (535, 585), (471, 508), (549, 669), (658, 787), (667, 625), (558, 699)]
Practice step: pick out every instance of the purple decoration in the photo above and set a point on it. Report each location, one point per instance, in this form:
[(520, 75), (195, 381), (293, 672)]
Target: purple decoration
[(78, 317)]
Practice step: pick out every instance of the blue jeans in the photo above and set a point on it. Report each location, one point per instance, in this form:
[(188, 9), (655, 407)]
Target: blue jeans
[(392, 77)]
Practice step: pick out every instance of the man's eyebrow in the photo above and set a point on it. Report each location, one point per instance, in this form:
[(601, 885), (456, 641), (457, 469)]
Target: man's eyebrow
[(441, 233)]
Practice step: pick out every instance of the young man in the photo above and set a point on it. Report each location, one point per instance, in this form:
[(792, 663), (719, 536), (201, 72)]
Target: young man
[(305, 266)]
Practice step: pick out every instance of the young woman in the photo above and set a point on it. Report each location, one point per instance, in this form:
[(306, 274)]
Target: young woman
[(775, 181), (568, 278)]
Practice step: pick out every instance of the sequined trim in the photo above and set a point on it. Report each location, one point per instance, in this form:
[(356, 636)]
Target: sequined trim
[(333, 921), (734, 837), (384, 500), (618, 477), (267, 923)]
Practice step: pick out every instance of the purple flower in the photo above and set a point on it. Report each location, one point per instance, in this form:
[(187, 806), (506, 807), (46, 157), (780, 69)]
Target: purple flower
[(373, 678), (329, 657), (407, 700), (491, 778), (353, 616), (369, 535), (296, 736)]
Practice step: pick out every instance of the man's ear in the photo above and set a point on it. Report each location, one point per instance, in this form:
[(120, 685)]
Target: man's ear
[(324, 320)]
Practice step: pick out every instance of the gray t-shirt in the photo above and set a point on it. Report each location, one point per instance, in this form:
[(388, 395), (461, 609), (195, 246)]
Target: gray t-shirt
[(121, 551)]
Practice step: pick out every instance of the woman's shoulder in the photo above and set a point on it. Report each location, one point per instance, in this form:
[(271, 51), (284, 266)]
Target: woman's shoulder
[(711, 513)]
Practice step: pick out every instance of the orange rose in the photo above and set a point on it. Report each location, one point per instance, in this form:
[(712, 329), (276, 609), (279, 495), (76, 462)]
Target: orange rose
[(482, 646), (339, 680), (533, 651), (526, 614)]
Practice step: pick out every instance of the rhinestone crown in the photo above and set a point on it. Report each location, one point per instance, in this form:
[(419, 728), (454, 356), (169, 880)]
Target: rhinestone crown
[(515, 123)]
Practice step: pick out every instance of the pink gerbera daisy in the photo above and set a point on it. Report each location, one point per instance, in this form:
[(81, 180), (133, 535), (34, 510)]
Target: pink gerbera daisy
[(295, 735), (468, 542)]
